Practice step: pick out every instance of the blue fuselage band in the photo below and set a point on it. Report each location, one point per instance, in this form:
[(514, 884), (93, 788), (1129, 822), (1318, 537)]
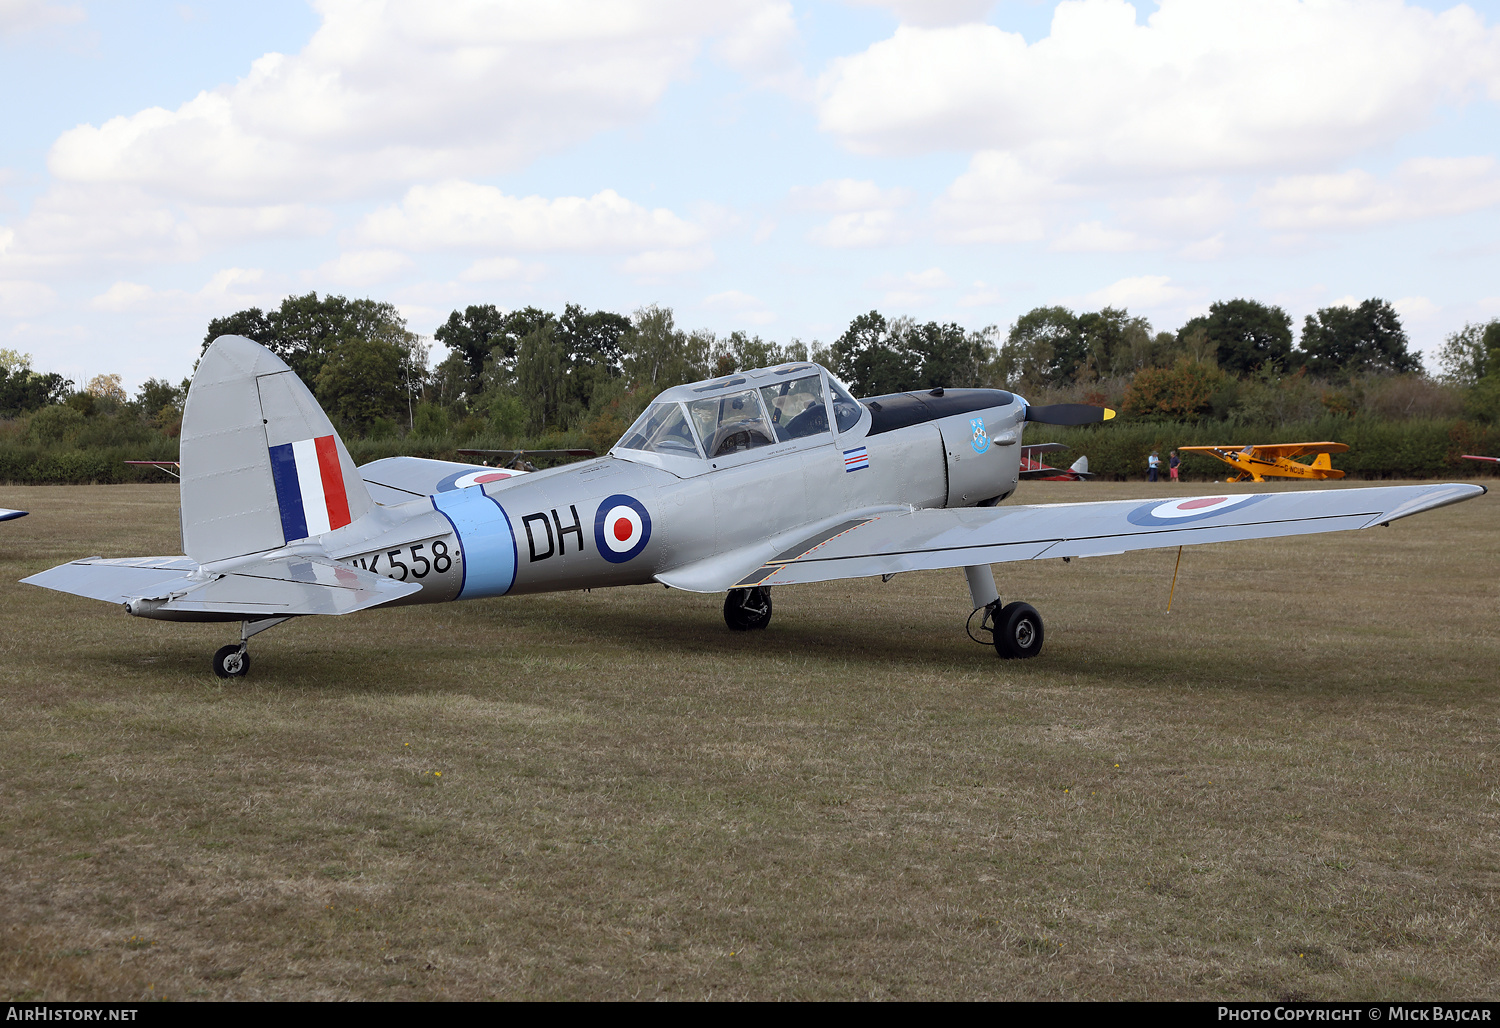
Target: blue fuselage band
[(486, 539)]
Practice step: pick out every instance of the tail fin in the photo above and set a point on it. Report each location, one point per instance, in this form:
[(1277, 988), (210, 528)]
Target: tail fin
[(261, 463), (1081, 465), (1324, 461)]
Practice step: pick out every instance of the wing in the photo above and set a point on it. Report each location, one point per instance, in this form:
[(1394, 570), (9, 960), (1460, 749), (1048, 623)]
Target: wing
[(163, 586), (1035, 448), (1470, 456), (1275, 450), (398, 479), (892, 542), (7, 514)]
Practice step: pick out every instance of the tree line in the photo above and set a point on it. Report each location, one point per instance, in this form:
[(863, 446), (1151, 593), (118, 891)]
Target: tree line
[(529, 373)]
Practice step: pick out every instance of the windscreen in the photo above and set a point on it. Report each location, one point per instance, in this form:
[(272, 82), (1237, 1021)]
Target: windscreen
[(661, 429), (731, 423), (846, 409), (796, 407)]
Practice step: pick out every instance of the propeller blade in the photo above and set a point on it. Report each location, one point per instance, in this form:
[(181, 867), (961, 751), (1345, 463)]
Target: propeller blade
[(1068, 414)]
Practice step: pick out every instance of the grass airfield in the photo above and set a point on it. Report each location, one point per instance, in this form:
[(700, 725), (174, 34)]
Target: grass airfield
[(1285, 789)]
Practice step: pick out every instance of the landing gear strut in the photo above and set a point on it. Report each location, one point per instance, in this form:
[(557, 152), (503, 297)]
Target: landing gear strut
[(748, 609), (1015, 628), (233, 661)]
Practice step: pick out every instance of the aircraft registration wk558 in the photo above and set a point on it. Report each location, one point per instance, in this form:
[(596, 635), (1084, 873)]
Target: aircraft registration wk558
[(763, 478)]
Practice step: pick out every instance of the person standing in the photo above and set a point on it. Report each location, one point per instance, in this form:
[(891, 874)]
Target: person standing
[(1153, 467), (1173, 463)]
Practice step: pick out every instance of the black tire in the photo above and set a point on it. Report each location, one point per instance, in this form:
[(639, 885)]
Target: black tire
[(748, 610), (1018, 632), (232, 661)]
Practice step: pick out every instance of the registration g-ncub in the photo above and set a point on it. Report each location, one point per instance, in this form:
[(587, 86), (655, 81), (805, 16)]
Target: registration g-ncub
[(736, 485)]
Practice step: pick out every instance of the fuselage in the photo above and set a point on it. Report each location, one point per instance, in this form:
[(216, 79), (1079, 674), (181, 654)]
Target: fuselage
[(624, 518)]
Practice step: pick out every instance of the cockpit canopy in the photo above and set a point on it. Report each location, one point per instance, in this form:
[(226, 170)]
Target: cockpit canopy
[(742, 412)]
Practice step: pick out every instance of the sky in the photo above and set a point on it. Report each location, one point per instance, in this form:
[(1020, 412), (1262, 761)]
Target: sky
[(760, 165)]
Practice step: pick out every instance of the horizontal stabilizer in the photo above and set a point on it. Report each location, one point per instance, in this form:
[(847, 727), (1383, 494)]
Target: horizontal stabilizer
[(162, 587), (394, 480)]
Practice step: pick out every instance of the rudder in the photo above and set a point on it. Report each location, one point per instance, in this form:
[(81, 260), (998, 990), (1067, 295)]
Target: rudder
[(261, 463)]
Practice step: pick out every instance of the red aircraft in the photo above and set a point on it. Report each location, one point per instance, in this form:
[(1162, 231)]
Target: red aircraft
[(1033, 469)]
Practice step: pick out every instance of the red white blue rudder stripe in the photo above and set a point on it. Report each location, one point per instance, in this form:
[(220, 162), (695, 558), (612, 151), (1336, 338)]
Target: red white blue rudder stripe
[(309, 487)]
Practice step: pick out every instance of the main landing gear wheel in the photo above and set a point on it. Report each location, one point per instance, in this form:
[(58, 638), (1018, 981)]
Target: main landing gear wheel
[(232, 661), (746, 610), (1018, 631)]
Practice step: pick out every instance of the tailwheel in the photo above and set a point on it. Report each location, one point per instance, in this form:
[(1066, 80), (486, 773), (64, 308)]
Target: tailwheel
[(232, 661), (1018, 631), (748, 609)]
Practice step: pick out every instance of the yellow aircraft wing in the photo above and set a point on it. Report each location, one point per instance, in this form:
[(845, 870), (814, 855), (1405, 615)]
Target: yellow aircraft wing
[(1270, 451)]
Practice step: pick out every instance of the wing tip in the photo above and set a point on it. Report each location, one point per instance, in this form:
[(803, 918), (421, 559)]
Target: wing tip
[(1108, 413)]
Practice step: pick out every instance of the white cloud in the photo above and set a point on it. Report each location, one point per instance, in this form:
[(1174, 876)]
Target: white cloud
[(865, 214), (742, 305), (764, 48), (465, 215), (1416, 310), (655, 265), (932, 12), (1420, 188), (359, 268), (862, 228), (1139, 291), (1208, 249), (22, 299), (227, 289), (391, 91), (981, 294), (1093, 237), (103, 225), (17, 16), (842, 195), (1203, 86), (502, 269), (913, 288), (999, 200), (1192, 208)]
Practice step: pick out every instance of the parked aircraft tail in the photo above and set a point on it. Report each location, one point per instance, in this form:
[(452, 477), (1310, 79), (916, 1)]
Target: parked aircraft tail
[(1324, 461), (262, 466), (1080, 466)]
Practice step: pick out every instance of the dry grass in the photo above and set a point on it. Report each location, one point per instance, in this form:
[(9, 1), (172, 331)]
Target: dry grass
[(1286, 788)]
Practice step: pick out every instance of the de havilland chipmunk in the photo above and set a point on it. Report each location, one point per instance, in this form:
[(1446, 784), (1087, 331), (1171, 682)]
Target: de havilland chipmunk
[(762, 478)]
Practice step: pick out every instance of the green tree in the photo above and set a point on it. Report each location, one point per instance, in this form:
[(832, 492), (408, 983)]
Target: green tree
[(946, 355), (304, 329), (360, 380), (541, 376), (23, 390), (250, 323), (1043, 347), (658, 355), (1244, 334), (1355, 340), (156, 394), (1465, 355), (873, 359), (1183, 392), (474, 335)]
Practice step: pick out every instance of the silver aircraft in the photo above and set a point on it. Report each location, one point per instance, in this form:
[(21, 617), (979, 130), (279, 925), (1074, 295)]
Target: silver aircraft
[(762, 478)]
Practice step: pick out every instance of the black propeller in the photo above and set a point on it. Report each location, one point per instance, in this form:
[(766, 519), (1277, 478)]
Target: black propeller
[(1068, 414)]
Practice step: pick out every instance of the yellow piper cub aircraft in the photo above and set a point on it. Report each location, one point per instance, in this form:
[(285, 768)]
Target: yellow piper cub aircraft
[(1275, 460)]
